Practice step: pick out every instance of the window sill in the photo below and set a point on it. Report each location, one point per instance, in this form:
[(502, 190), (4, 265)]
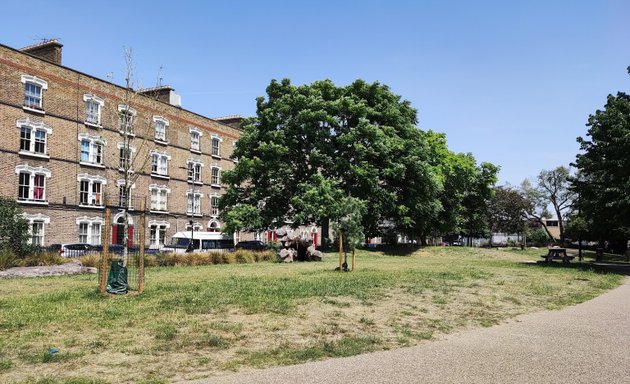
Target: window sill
[(161, 142), (215, 185), (33, 202), (93, 125), (94, 165), (197, 182), (158, 176), (130, 134), (194, 214), (34, 110), (91, 206), (33, 154), (159, 212), (123, 171), (195, 151), (218, 157)]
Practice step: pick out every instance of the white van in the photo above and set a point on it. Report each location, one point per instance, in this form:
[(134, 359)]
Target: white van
[(201, 242)]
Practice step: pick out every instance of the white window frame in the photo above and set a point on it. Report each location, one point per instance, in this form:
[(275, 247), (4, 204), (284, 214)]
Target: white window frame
[(159, 198), (37, 219), (132, 151), (94, 143), (193, 206), (156, 159), (32, 172), (90, 98), (157, 232), (126, 129), (121, 183), (196, 227), (214, 205), (160, 137), (91, 234), (42, 85), (195, 143), (215, 180), (216, 149), (93, 200), (195, 171), (34, 127)]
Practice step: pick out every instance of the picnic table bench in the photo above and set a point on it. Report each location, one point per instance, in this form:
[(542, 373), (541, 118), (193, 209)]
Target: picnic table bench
[(557, 254)]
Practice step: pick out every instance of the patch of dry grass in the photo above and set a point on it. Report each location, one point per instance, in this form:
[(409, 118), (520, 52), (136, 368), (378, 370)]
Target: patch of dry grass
[(198, 321)]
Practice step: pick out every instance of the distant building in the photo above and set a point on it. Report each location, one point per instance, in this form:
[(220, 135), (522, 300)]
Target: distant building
[(60, 153)]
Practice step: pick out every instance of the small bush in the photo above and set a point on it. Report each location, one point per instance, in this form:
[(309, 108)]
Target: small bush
[(244, 257), (7, 259), (42, 259), (228, 258), (90, 260), (216, 258), (150, 260)]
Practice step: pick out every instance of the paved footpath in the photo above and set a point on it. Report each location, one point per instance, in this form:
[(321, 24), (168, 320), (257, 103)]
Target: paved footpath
[(587, 343)]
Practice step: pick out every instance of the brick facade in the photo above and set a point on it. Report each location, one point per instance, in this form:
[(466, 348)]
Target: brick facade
[(63, 117)]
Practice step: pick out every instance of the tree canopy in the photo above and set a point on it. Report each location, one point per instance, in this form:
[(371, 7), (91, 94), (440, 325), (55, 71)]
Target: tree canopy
[(313, 151), (604, 168)]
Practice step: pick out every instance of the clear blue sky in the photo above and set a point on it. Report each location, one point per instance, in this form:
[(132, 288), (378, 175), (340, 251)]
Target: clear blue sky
[(512, 82)]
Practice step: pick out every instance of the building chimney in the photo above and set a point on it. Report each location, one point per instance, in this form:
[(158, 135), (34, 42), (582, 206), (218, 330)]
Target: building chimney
[(163, 93), (234, 121), (49, 50)]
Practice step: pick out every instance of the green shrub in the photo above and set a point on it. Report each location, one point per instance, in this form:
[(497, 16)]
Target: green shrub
[(150, 260), (215, 258), (243, 257), (14, 233), (42, 259), (7, 259), (538, 237), (91, 260)]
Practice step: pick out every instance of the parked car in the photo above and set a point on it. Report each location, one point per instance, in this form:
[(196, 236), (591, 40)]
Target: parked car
[(253, 245), (118, 249), (71, 249)]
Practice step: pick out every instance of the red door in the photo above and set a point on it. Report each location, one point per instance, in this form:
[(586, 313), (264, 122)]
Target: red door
[(130, 235), (114, 234)]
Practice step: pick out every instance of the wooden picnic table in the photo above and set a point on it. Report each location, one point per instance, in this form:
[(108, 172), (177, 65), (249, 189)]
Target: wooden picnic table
[(557, 254)]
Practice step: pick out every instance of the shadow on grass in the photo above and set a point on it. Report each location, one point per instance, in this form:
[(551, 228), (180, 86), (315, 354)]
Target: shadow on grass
[(394, 250), (602, 267)]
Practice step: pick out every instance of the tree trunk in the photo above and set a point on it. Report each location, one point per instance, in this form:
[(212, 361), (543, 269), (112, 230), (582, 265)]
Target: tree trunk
[(325, 232)]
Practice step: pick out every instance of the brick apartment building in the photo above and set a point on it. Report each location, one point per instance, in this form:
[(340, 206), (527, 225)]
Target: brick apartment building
[(61, 150)]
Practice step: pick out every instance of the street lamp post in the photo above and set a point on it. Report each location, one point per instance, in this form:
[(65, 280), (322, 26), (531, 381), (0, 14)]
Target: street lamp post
[(191, 245)]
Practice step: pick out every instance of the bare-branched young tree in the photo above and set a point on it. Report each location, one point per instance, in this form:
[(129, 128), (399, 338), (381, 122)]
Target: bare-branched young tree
[(135, 154)]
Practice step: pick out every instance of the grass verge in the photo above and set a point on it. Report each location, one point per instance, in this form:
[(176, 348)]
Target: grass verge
[(197, 321)]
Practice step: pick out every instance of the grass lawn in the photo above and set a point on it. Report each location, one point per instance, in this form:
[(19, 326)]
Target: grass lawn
[(195, 322)]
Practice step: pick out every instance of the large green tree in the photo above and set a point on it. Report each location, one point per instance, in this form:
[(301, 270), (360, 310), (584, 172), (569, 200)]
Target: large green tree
[(313, 149), (507, 211), (604, 167), (466, 188)]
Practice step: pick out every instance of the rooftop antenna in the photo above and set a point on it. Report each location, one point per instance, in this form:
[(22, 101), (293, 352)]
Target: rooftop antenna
[(160, 78), (46, 39)]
